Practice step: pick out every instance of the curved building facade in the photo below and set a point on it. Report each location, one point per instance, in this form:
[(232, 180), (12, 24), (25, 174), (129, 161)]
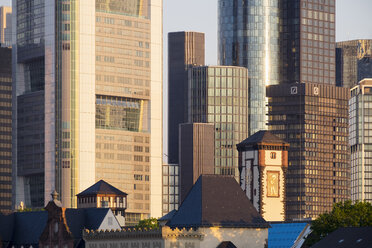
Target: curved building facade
[(249, 37)]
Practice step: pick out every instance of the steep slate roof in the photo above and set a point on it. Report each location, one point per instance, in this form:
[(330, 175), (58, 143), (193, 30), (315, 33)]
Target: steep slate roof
[(168, 216), (260, 137), (84, 218), (101, 187), (23, 228), (216, 200), (226, 244), (346, 237)]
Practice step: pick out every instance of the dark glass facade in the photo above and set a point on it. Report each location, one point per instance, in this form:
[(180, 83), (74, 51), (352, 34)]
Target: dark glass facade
[(248, 36), (185, 49), (313, 118), (307, 41), (354, 62), (218, 95), (5, 130)]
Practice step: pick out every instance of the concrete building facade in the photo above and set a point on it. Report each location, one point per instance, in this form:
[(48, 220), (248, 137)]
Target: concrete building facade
[(313, 119), (94, 69), (360, 141)]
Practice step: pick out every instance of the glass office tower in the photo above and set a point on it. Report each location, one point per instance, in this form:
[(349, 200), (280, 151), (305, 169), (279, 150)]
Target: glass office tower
[(5, 130), (218, 95), (307, 41), (353, 61), (248, 36), (92, 72), (313, 119), (360, 140)]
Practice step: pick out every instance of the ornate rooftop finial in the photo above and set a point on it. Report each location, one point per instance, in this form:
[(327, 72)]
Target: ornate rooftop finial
[(54, 195)]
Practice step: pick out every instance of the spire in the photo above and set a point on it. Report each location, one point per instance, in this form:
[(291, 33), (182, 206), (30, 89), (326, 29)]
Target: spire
[(54, 195)]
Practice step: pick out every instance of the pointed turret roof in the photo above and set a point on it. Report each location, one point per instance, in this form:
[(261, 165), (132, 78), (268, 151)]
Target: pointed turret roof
[(103, 188), (261, 137), (218, 201)]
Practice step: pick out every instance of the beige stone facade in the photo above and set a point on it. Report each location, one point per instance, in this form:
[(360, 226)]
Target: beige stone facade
[(166, 237)]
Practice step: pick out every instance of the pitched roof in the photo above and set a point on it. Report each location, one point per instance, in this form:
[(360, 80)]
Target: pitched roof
[(102, 187), (260, 137), (168, 216), (356, 237), (216, 200), (84, 218), (226, 244), (285, 234), (28, 227)]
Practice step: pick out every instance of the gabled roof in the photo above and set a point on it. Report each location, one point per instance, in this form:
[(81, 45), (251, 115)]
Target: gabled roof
[(101, 187), (216, 200), (346, 237), (285, 234), (260, 137), (84, 218), (226, 244)]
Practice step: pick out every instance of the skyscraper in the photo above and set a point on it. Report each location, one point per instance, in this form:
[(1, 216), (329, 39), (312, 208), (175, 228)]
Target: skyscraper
[(248, 36), (185, 49), (196, 154), (5, 26), (92, 70), (307, 41), (218, 95), (354, 62), (360, 140), (313, 119), (5, 130)]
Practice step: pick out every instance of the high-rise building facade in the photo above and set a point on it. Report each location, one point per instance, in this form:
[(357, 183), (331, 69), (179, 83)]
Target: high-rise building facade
[(313, 119), (5, 26), (171, 189), (5, 130), (354, 62), (360, 141), (196, 154), (307, 41), (248, 36), (185, 49), (92, 72), (218, 95)]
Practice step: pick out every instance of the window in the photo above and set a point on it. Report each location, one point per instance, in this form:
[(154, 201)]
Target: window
[(273, 155)]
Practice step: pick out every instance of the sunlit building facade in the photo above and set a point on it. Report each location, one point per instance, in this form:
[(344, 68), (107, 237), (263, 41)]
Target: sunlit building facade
[(360, 141), (95, 68), (314, 120), (218, 95), (5, 26), (248, 36)]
